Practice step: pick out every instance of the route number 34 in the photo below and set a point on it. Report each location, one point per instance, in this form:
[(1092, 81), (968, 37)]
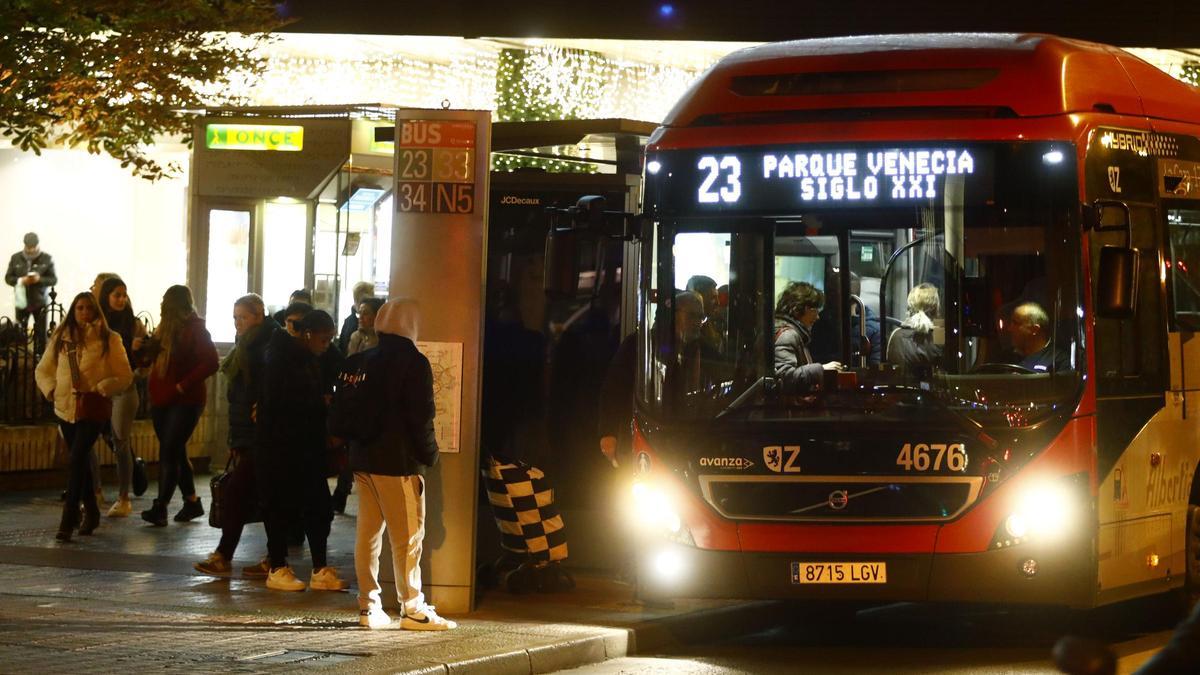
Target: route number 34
[(932, 456)]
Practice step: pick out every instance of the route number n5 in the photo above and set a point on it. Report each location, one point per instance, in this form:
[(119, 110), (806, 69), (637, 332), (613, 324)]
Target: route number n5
[(932, 456)]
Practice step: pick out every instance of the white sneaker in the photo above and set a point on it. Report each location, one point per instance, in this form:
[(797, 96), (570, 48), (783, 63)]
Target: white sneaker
[(121, 508), (284, 579), (374, 618), (326, 579), (426, 619)]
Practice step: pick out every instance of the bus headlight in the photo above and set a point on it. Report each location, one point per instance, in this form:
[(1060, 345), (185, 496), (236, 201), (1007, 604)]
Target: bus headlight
[(1044, 511), (651, 509), (1048, 510)]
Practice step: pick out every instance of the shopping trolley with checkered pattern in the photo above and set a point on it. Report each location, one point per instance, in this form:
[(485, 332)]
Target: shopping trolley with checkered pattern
[(530, 525)]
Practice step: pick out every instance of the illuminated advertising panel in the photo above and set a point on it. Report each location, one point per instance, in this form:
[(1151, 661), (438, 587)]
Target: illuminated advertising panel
[(254, 137), (784, 179)]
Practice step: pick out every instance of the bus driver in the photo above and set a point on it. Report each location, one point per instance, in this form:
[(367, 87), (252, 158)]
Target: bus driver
[(1029, 329)]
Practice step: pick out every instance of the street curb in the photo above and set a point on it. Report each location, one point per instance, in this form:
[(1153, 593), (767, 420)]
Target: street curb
[(643, 638)]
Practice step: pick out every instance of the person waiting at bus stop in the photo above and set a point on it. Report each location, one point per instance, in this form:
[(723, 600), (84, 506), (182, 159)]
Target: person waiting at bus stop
[(798, 308), (291, 456), (1029, 329), (243, 370)]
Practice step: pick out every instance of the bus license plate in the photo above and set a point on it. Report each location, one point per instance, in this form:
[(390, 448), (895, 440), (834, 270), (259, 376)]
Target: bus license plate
[(839, 573)]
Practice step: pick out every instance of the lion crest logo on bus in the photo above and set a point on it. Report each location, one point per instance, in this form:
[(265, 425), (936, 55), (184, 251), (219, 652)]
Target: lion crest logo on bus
[(782, 458)]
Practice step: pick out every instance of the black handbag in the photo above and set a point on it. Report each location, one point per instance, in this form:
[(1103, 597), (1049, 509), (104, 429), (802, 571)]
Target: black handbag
[(220, 506), (219, 484)]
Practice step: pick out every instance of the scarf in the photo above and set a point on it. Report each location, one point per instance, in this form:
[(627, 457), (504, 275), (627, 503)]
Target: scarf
[(236, 361)]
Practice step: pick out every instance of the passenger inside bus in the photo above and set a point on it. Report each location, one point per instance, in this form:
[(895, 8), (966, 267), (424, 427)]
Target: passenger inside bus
[(912, 345), (711, 337), (1029, 330), (683, 373), (798, 308)]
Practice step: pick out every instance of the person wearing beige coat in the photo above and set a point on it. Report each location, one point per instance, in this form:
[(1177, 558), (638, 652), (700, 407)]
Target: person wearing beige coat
[(99, 356)]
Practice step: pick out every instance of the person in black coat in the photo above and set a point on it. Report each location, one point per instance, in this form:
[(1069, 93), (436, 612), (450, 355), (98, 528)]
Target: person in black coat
[(33, 269), (243, 370), (291, 450)]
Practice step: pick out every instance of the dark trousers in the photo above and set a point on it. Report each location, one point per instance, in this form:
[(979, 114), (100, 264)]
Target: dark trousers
[(294, 491), (173, 425), (80, 437), (39, 326), (241, 500), (345, 481)]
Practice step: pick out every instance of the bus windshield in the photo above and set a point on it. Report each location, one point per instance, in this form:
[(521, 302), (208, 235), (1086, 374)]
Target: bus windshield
[(959, 304)]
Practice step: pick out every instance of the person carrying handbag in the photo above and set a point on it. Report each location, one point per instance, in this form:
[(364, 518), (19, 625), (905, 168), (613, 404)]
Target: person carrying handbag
[(118, 313), (83, 366)]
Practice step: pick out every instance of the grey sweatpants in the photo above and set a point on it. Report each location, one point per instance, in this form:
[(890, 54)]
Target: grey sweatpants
[(124, 408), (396, 503)]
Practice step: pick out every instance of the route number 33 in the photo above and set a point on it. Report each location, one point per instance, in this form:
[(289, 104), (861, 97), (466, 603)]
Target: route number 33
[(932, 456)]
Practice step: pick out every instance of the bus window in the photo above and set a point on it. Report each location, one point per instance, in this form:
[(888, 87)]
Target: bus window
[(1183, 226)]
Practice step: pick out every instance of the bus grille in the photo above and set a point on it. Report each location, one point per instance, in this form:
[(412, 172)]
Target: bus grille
[(841, 498)]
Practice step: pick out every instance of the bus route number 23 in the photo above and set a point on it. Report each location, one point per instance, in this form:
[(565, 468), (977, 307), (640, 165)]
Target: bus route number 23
[(932, 457)]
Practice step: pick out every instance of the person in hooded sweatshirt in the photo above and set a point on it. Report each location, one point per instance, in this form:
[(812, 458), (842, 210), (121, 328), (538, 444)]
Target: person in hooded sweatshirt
[(798, 309), (291, 451), (388, 472)]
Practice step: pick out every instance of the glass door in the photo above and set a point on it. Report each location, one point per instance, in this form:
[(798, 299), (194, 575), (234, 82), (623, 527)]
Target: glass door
[(228, 266)]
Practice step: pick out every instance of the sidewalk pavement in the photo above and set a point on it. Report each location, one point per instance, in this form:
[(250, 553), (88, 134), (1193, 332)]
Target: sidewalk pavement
[(127, 599)]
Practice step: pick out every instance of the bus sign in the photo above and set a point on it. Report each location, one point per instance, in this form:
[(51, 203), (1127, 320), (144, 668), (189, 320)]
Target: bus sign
[(782, 178)]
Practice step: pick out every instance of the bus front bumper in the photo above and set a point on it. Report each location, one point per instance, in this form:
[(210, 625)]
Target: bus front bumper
[(1059, 575)]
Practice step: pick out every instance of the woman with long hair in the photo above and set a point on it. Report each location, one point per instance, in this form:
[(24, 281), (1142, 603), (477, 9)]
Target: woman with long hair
[(184, 358), (118, 313), (82, 360)]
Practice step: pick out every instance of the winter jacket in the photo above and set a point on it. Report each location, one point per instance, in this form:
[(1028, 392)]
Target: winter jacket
[(43, 264), (244, 386), (291, 404), (793, 364), (100, 372), (407, 443), (911, 349), (193, 360)]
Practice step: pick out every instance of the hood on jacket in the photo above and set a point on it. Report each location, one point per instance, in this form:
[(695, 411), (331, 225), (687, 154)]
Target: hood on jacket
[(399, 317)]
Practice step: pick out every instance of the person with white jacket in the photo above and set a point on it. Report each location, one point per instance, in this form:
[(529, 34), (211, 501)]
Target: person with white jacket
[(82, 357)]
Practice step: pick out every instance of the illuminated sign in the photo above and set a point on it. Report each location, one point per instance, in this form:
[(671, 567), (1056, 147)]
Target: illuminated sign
[(843, 175), (435, 162), (254, 137)]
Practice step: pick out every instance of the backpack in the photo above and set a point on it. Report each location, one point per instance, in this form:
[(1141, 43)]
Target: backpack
[(360, 398)]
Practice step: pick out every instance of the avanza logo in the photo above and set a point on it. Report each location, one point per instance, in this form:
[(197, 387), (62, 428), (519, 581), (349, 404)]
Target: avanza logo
[(726, 463)]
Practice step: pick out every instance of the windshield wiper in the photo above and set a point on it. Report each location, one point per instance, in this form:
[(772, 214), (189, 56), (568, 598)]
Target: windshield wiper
[(764, 383)]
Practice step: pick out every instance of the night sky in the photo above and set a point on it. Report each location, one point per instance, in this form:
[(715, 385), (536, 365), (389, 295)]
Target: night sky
[(1164, 23)]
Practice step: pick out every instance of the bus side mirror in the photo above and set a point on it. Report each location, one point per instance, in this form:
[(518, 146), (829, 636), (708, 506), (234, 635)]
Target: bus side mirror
[(561, 273), (1116, 290)]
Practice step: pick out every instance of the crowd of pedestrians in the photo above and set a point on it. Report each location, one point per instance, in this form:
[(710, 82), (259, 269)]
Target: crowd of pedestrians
[(280, 382)]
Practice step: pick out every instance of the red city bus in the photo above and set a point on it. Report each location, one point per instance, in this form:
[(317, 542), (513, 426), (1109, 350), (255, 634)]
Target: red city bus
[(997, 237)]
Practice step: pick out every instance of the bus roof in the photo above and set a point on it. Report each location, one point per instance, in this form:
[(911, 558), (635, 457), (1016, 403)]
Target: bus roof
[(930, 76)]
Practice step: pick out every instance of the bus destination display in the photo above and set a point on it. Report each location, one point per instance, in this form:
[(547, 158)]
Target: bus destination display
[(775, 178)]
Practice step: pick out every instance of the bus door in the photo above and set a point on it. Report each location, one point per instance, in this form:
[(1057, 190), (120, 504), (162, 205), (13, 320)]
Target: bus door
[(1136, 419), (1171, 480)]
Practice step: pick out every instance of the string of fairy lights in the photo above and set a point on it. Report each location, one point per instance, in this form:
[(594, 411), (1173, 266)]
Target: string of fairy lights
[(545, 82)]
